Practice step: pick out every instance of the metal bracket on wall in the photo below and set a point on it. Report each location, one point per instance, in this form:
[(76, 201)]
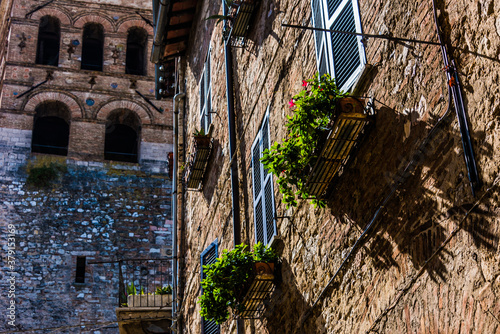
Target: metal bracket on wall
[(149, 102), (32, 88), (38, 8)]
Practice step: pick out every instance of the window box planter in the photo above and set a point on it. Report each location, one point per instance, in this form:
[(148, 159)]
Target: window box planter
[(149, 300), (322, 133), (238, 282), (260, 287), (336, 145), (238, 23), (198, 161)]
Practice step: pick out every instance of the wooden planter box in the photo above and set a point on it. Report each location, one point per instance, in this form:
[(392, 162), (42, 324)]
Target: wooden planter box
[(149, 300), (198, 161), (340, 140), (261, 285)]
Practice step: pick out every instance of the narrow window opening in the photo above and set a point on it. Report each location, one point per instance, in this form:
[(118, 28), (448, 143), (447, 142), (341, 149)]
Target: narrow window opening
[(51, 128), (92, 47), (135, 62), (122, 136), (49, 36), (80, 269)]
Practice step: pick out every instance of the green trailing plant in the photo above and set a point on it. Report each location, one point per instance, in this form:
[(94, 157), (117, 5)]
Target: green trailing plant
[(291, 160), (226, 278), (43, 175), (165, 290)]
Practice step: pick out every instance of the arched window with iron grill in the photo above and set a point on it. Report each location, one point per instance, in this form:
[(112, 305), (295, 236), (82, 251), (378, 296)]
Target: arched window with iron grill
[(49, 36), (123, 129), (135, 62), (51, 128), (92, 47)]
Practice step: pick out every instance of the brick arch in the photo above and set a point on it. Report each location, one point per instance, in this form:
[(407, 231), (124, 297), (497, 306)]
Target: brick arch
[(125, 25), (95, 18), (143, 113), (63, 17), (70, 101)]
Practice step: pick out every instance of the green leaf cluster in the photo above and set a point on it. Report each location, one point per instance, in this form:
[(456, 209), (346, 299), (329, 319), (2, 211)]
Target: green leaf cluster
[(226, 278), (165, 290), (292, 159)]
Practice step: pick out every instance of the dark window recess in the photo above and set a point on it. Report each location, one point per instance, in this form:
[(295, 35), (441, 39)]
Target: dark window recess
[(122, 136), (51, 129), (135, 62), (49, 35), (80, 269), (92, 47)]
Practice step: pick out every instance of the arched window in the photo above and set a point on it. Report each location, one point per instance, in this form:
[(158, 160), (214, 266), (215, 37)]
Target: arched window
[(122, 136), (51, 128), (49, 35), (135, 62), (92, 47)]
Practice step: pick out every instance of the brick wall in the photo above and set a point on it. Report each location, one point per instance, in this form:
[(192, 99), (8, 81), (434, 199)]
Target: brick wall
[(430, 263)]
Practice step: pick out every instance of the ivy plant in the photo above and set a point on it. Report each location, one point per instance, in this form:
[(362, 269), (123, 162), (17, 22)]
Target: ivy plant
[(226, 279), (292, 159)]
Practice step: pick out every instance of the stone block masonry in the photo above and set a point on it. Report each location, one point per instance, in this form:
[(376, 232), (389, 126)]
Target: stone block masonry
[(101, 211)]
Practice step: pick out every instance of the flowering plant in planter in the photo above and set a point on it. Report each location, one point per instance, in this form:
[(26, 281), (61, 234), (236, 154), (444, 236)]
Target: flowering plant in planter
[(226, 279), (290, 160)]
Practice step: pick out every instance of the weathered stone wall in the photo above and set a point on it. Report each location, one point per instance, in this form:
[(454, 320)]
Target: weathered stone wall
[(430, 264), (104, 212)]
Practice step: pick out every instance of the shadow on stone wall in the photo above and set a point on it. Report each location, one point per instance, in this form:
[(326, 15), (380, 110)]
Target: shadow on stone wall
[(257, 34), (213, 171), (433, 191), (287, 305)]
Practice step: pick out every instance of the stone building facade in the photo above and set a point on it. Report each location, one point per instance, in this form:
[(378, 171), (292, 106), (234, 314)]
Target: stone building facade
[(84, 172), (429, 262), (5, 8)]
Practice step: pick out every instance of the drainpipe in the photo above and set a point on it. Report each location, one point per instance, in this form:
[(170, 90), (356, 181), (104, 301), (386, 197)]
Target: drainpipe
[(233, 157), (177, 97), (160, 21)]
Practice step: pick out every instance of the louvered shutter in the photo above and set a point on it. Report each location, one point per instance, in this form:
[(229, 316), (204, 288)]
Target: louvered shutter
[(208, 93), (202, 101), (347, 52), (320, 37), (265, 224), (206, 96), (209, 256)]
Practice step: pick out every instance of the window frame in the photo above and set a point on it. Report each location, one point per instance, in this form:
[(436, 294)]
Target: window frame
[(265, 180), (205, 89), (325, 44)]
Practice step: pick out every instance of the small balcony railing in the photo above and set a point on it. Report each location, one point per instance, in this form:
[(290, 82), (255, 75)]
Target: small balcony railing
[(145, 283), (240, 15)]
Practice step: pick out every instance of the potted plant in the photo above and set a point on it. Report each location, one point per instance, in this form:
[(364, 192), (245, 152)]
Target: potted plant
[(228, 279), (316, 109)]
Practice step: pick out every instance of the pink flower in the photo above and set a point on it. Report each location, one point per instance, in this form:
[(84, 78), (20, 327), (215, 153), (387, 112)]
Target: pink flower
[(304, 83), (291, 103)]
